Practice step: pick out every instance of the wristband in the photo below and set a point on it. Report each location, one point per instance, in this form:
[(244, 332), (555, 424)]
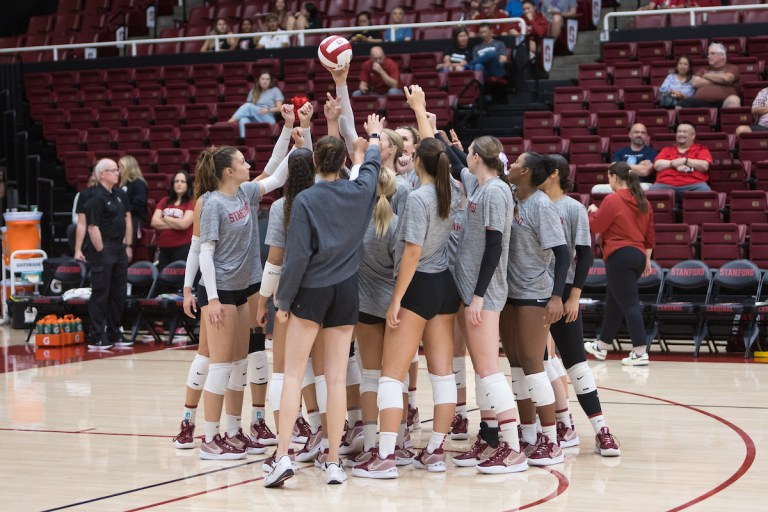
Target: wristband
[(374, 136)]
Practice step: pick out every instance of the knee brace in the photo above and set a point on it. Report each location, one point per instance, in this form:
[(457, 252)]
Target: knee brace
[(460, 371), (258, 367), (443, 388), (218, 376), (390, 394), (258, 341), (198, 371), (549, 369), (519, 387), (321, 392), (238, 378), (557, 363), (582, 378), (498, 392), (275, 391), (480, 397), (540, 389), (309, 375), (353, 372), (370, 381)]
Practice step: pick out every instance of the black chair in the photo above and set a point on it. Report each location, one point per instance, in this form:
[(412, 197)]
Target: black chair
[(166, 304), (761, 315), (68, 275), (592, 299), (142, 277)]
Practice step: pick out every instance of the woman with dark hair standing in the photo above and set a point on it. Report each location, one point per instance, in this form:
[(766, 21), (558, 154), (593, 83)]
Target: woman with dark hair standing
[(625, 223), (568, 332), (173, 219)]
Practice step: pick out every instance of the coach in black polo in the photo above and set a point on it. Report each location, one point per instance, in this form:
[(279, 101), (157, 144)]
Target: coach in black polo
[(110, 231)]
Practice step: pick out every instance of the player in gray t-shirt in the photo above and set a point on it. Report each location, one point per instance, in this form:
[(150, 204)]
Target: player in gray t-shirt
[(535, 302)]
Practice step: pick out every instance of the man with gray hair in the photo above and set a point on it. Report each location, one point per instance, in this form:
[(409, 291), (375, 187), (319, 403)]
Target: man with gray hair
[(717, 85), (111, 232)]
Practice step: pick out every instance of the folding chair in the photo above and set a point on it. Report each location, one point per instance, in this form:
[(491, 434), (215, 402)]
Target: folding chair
[(166, 304), (69, 274), (142, 277), (591, 303)]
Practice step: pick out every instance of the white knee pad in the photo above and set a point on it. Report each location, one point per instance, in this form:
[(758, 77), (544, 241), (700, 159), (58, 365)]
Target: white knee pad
[(498, 392), (309, 375), (321, 392), (258, 368), (353, 372), (390, 394), (582, 378), (460, 371), (480, 397), (519, 387), (238, 378), (275, 391), (415, 357), (540, 389), (557, 363), (549, 369), (198, 371), (218, 377), (443, 388), (370, 381)]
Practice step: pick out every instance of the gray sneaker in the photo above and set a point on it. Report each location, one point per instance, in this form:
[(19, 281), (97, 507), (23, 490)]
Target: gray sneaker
[(334, 473), (282, 471), (592, 347)]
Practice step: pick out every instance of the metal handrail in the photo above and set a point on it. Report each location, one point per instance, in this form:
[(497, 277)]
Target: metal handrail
[(133, 44), (691, 10)]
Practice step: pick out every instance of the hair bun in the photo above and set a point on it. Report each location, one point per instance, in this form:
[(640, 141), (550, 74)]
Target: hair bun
[(504, 163)]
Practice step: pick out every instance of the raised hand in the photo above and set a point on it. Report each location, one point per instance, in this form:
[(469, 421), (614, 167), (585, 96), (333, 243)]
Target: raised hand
[(415, 97), (287, 112), (332, 108), (374, 124), (305, 114), (298, 137), (360, 146)]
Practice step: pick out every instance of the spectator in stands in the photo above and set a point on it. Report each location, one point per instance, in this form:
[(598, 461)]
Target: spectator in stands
[(490, 56), (308, 17), (262, 103), (683, 167), (223, 44), (489, 11), (514, 9), (173, 219), (665, 4), (110, 231), (536, 26), (760, 109), (678, 85), (285, 18), (380, 75), (556, 12), (638, 155), (459, 53), (135, 186), (717, 85), (401, 34), (276, 40), (246, 43), (365, 36)]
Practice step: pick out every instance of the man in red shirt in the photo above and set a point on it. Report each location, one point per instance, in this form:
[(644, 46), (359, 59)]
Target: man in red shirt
[(683, 167), (489, 11), (717, 85), (379, 76)]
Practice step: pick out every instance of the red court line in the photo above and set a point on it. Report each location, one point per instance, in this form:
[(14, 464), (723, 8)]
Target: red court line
[(749, 444)]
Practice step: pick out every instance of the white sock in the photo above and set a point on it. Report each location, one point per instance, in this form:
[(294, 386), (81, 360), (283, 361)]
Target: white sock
[(461, 410), (369, 435), (508, 430), (492, 423), (313, 418), (412, 398), (603, 345), (355, 415), (387, 442), (598, 422), (211, 430), (551, 432), (401, 435), (529, 432), (435, 441), (189, 414), (257, 414), (640, 350), (563, 416), (232, 423)]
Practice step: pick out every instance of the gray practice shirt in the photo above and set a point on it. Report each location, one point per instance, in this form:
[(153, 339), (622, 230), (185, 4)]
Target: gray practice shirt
[(231, 223), (459, 218), (575, 221), (328, 221), (535, 230), (404, 188), (375, 276), (489, 206), (276, 228)]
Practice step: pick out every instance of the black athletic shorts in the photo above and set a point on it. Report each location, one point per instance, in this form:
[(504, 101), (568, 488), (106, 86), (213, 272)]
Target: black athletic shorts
[(330, 306), (365, 318), (230, 297), (253, 289), (429, 295), (539, 303)]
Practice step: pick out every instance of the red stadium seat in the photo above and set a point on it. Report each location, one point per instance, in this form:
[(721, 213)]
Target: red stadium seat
[(728, 175), (614, 53), (753, 146), (663, 205), (538, 123), (587, 176), (749, 206), (637, 97), (722, 242), (171, 160), (577, 122), (703, 119), (656, 121), (674, 243), (588, 149), (605, 98), (130, 138), (162, 136), (614, 122), (732, 118), (592, 74), (758, 245), (629, 74), (648, 51), (690, 47), (569, 98), (703, 207)]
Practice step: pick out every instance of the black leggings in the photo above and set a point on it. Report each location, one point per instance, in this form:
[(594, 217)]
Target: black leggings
[(171, 254), (569, 337), (623, 268)]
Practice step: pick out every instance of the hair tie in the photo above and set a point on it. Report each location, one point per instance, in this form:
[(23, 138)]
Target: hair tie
[(504, 163)]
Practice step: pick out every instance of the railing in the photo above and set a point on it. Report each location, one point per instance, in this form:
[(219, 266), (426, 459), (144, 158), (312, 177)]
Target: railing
[(688, 10), (134, 44)]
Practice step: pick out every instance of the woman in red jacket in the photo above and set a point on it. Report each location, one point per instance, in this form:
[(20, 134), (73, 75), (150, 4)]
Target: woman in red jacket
[(625, 223), (536, 25)]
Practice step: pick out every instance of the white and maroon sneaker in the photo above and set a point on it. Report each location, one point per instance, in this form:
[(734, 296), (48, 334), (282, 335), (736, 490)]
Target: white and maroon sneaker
[(503, 460), (403, 456), (321, 459), (459, 428), (545, 453), (353, 439), (414, 422), (242, 441), (218, 449), (605, 444), (376, 467), (301, 431), (360, 458), (477, 453), (261, 433), (407, 439), (186, 438), (433, 462), (269, 462), (311, 448), (566, 437), (525, 447)]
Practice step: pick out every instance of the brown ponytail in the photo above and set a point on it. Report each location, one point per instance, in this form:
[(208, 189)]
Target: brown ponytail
[(382, 212), (301, 176), (623, 171), (206, 178), (436, 164)]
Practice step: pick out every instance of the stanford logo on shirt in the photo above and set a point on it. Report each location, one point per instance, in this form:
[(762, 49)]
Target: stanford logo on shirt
[(472, 207), (240, 214)]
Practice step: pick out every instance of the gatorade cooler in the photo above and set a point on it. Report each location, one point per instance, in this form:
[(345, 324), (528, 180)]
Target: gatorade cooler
[(21, 232)]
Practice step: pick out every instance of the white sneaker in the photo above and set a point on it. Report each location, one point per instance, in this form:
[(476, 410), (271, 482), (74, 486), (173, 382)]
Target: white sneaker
[(635, 360), (592, 347), (282, 471), (334, 473)]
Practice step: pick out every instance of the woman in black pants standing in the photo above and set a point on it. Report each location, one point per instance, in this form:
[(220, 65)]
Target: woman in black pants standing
[(625, 223)]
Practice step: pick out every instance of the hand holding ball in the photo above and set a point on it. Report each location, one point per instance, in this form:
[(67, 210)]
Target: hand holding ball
[(335, 52)]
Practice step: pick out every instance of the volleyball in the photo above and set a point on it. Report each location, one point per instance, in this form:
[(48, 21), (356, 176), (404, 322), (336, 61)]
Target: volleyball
[(334, 52)]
